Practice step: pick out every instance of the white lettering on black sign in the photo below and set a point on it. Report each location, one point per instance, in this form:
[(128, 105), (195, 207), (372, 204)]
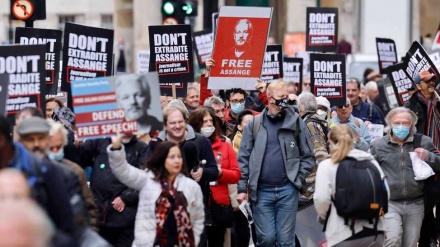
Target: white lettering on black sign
[(416, 63), (292, 72), (87, 52), (271, 66), (387, 54), (204, 46), (403, 83), (321, 25), (171, 48), (50, 55), (327, 77)]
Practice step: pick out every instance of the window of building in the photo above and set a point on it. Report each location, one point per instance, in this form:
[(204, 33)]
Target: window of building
[(107, 21), (62, 19)]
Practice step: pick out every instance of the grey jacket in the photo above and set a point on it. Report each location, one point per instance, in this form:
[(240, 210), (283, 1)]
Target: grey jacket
[(397, 166), (297, 153)]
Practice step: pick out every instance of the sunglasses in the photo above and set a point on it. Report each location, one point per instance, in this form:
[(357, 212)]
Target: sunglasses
[(340, 107)]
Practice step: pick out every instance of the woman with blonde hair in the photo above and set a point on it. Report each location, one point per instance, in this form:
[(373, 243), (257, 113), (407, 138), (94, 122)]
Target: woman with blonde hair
[(338, 233)]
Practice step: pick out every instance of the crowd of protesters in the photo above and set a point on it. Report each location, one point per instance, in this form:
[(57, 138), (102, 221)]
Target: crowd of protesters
[(189, 184)]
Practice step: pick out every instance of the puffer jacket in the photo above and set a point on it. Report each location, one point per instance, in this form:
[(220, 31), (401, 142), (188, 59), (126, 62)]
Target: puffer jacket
[(231, 172), (337, 231), (296, 151), (397, 165), (150, 190)]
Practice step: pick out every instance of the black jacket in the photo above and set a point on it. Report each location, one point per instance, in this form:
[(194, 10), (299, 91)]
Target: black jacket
[(420, 109), (106, 187)]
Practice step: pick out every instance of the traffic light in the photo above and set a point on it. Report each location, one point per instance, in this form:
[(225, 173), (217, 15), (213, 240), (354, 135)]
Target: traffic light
[(189, 7), (172, 12)]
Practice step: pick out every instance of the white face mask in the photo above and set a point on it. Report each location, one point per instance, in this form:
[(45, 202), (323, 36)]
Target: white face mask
[(322, 113), (207, 131)]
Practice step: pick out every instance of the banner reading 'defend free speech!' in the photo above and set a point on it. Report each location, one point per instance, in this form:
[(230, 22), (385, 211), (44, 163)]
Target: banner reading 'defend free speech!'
[(87, 53), (239, 47)]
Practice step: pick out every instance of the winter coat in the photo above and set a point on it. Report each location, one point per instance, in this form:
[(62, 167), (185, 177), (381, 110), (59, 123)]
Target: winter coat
[(357, 125), (231, 172), (325, 188), (150, 190)]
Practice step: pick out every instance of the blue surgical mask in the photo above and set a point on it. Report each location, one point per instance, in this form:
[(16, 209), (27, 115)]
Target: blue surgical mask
[(58, 156), (401, 132), (237, 108)]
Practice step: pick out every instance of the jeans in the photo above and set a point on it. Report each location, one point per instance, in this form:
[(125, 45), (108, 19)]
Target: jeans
[(403, 222), (274, 215)]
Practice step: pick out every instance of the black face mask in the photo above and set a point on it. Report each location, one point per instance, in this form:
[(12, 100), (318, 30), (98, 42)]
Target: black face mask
[(281, 103)]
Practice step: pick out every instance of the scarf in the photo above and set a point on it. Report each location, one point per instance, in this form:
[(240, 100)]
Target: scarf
[(174, 226), (433, 119)]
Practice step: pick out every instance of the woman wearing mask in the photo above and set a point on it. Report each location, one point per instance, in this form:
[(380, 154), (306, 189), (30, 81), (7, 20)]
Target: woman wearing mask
[(170, 211), (337, 232), (203, 121), (243, 118)]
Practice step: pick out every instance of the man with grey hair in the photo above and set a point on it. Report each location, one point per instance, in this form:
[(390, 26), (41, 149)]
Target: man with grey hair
[(134, 96), (406, 205), (219, 107), (317, 128), (372, 91)]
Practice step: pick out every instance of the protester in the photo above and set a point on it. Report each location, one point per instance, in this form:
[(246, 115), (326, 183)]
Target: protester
[(219, 106), (51, 104), (367, 71), (24, 224), (192, 99), (170, 211), (204, 121), (242, 120), (117, 204), (306, 83), (406, 206), (275, 169), (363, 93), (344, 116), (338, 233), (235, 99), (13, 184), (365, 111), (372, 92), (324, 110)]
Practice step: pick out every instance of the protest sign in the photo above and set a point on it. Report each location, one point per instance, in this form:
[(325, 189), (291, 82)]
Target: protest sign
[(126, 103), (400, 81), (62, 96), (416, 60), (436, 41), (203, 43), (375, 131), (24, 64), (386, 53), (328, 77), (239, 47), (435, 58), (387, 99), (322, 29), (293, 69), (34, 36), (87, 53), (272, 63), (172, 56), (143, 62), (4, 82)]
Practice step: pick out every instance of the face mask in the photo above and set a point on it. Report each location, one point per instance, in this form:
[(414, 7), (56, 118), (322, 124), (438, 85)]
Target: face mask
[(281, 103), (207, 131), (401, 132), (237, 108), (322, 113), (56, 156)]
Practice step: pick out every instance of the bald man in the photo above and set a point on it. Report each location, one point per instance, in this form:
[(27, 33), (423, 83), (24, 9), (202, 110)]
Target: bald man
[(13, 184)]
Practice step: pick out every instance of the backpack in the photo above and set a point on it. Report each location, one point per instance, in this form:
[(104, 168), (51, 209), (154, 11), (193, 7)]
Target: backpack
[(360, 192)]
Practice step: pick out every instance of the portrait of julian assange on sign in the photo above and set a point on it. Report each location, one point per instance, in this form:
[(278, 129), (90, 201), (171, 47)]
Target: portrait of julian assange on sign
[(239, 47)]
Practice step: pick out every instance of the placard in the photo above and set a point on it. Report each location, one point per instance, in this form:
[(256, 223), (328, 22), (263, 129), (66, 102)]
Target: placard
[(35, 36), (435, 58), (436, 41), (172, 56), (272, 63), (400, 81), (386, 53), (322, 29), (416, 60), (293, 69), (375, 131), (293, 43), (87, 53), (203, 44), (388, 99), (24, 64), (327, 77), (239, 47), (4, 82), (126, 103), (143, 62)]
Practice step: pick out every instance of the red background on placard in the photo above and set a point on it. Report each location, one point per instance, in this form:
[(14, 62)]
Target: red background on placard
[(224, 44)]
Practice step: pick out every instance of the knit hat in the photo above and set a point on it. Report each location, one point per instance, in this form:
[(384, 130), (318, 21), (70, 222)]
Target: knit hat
[(323, 101)]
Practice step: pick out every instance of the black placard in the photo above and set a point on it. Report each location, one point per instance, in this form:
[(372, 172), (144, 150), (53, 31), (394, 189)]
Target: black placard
[(272, 63), (4, 82), (416, 60), (293, 69), (203, 44), (24, 65), (52, 38), (386, 53), (172, 57), (87, 53), (387, 99), (400, 81), (327, 76), (322, 29)]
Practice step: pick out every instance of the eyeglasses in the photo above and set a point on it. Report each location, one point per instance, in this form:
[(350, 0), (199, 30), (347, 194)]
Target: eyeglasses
[(236, 101), (340, 107), (406, 124)]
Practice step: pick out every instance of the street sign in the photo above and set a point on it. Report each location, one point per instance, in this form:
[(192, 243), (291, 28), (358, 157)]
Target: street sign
[(22, 9)]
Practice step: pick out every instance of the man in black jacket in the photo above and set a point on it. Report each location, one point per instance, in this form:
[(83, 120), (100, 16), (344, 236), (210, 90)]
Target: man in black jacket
[(117, 204)]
